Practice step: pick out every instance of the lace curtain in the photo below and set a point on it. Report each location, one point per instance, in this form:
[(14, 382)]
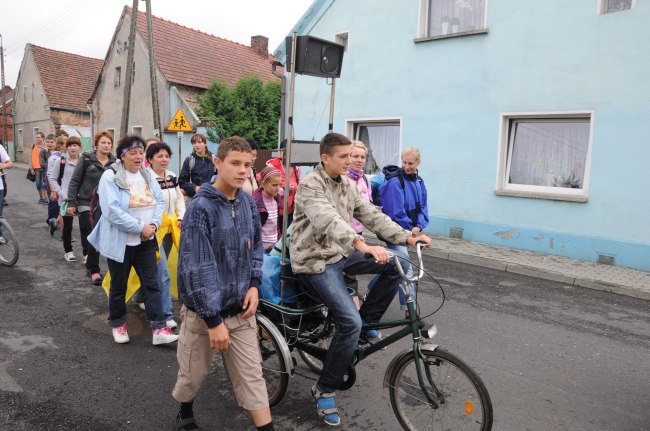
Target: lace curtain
[(616, 5), (382, 141), (455, 16), (549, 153)]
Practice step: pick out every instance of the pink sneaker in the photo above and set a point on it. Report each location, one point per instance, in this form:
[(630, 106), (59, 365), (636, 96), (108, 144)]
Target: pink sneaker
[(96, 279), (163, 336), (120, 335)]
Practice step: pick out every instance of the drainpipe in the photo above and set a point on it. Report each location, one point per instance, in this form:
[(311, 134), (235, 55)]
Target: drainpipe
[(283, 95), (89, 105)]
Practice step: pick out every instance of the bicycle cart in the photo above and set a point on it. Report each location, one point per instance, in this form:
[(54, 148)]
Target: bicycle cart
[(429, 387)]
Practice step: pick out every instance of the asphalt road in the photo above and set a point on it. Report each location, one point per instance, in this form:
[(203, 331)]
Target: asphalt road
[(553, 357)]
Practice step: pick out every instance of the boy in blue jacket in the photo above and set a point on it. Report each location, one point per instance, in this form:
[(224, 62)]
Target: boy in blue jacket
[(219, 267)]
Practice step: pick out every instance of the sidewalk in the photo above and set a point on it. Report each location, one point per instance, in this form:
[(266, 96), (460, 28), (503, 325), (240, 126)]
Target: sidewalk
[(616, 279)]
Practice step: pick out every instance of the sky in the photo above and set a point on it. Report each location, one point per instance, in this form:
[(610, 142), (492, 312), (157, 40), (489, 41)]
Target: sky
[(85, 27)]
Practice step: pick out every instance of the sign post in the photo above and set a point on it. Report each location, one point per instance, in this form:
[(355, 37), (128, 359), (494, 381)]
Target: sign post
[(179, 124)]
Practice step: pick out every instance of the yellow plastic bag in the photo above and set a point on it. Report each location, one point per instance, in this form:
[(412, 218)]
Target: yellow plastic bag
[(169, 225)]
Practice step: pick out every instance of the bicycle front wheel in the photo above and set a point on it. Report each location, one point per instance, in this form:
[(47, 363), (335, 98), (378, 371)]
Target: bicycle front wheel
[(8, 244), (463, 402), (274, 367)]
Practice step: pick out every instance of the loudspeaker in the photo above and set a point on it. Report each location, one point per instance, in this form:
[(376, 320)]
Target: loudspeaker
[(315, 57)]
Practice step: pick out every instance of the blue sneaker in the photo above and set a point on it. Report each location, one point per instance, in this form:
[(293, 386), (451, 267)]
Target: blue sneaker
[(326, 406), (371, 335)]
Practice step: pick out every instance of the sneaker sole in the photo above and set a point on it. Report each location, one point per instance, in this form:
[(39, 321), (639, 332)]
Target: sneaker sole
[(158, 343)]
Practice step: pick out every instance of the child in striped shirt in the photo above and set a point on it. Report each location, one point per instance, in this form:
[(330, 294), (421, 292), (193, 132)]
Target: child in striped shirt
[(267, 200)]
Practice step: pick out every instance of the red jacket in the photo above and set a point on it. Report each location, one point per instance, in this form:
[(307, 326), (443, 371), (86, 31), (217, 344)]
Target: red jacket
[(294, 179)]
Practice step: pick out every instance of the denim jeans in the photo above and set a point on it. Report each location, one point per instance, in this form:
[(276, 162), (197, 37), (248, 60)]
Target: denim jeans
[(164, 280), (402, 252), (143, 258), (330, 286)]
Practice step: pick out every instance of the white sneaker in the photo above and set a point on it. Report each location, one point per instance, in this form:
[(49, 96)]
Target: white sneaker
[(85, 258), (70, 257), (120, 335), (172, 323), (163, 336)]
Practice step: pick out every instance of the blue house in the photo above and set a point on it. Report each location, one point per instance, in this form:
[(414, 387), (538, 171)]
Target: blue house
[(533, 118)]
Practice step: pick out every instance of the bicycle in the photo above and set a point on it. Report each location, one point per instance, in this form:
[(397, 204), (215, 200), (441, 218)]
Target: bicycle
[(429, 387), (8, 244)]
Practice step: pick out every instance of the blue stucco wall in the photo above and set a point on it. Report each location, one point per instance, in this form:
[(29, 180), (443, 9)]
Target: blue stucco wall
[(450, 93)]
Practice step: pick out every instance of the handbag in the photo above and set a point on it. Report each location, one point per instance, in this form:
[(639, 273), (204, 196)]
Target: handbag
[(31, 175)]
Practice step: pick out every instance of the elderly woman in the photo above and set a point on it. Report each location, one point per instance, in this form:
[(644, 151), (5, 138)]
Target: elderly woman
[(132, 206)]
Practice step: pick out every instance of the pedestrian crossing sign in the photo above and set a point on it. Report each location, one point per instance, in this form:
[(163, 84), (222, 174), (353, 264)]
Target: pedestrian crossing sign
[(179, 123)]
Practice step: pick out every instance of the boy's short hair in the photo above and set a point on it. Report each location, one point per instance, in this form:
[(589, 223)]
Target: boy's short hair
[(73, 141), (332, 140), (40, 133), (50, 137), (233, 143), (253, 143)]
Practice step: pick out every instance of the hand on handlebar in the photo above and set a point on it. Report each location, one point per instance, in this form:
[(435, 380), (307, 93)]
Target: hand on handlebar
[(413, 240), (379, 253)]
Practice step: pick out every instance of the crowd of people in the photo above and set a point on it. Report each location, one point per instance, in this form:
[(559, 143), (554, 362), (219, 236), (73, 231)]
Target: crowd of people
[(212, 226)]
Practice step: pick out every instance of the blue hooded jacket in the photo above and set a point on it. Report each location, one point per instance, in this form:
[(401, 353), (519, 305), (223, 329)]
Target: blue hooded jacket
[(220, 256), (406, 205)]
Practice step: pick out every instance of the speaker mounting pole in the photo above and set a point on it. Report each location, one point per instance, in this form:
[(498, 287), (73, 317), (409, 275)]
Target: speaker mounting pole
[(287, 161), (331, 125)]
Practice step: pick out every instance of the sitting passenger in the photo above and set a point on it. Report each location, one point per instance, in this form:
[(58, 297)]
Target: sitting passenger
[(324, 245)]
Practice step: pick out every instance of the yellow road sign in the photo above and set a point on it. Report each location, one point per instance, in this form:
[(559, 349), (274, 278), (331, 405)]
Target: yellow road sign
[(179, 123)]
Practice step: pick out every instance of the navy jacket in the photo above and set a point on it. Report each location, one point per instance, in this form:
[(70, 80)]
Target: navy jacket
[(220, 256), (407, 206), (200, 173)]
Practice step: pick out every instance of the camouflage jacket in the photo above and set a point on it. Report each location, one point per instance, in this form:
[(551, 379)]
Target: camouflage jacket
[(322, 230)]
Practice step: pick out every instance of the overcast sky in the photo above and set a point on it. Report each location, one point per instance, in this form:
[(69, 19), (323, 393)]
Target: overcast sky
[(85, 27)]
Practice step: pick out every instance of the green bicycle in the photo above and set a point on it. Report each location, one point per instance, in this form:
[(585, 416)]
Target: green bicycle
[(429, 388)]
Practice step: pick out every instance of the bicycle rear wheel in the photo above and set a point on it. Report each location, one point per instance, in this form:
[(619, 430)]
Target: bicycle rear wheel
[(274, 367), (463, 401), (8, 244)]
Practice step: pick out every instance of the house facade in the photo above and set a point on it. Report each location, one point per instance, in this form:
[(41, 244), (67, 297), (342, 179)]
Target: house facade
[(52, 90), (6, 120), (186, 62), (532, 119)]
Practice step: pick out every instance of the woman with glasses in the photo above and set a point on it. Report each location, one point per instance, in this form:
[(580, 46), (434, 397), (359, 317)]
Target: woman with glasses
[(198, 167)]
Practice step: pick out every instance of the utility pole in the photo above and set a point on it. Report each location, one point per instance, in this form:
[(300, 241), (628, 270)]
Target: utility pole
[(152, 73), (126, 103), (4, 96)]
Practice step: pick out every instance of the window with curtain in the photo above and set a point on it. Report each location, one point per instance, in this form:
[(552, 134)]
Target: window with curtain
[(611, 6), (382, 141), (455, 16), (548, 152)]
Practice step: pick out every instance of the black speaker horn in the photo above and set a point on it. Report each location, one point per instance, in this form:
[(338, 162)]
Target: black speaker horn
[(315, 57)]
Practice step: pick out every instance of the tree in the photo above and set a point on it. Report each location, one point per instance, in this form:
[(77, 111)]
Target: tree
[(251, 109)]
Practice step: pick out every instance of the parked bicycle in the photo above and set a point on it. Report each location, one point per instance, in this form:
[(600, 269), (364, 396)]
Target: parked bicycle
[(429, 387), (8, 244)]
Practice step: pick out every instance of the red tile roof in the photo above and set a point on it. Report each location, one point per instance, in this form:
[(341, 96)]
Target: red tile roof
[(68, 79), (194, 58)]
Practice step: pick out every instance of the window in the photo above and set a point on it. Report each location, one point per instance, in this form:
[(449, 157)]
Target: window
[(611, 6), (137, 130), (25, 93), (112, 132), (444, 18), (35, 130), (33, 91), (342, 39), (21, 141), (118, 77), (382, 138), (545, 156)]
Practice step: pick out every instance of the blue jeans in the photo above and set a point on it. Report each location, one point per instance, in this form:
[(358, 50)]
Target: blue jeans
[(402, 252), (330, 286), (143, 258), (163, 279)]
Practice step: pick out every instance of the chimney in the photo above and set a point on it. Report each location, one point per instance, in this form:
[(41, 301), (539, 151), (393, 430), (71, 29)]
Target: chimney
[(260, 44)]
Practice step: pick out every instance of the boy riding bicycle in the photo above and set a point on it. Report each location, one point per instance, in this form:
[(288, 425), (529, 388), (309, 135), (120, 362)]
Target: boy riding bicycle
[(324, 245)]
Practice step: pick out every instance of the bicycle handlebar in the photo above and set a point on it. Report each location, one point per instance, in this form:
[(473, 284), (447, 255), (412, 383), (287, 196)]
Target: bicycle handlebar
[(418, 248)]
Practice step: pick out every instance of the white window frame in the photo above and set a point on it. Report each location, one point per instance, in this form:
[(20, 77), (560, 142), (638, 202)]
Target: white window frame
[(423, 24), (352, 122), (342, 38), (133, 130), (117, 78), (503, 188), (112, 132), (35, 130), (21, 140), (601, 8)]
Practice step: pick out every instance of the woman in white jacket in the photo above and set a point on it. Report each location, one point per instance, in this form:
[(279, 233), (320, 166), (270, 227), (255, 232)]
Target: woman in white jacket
[(158, 155)]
